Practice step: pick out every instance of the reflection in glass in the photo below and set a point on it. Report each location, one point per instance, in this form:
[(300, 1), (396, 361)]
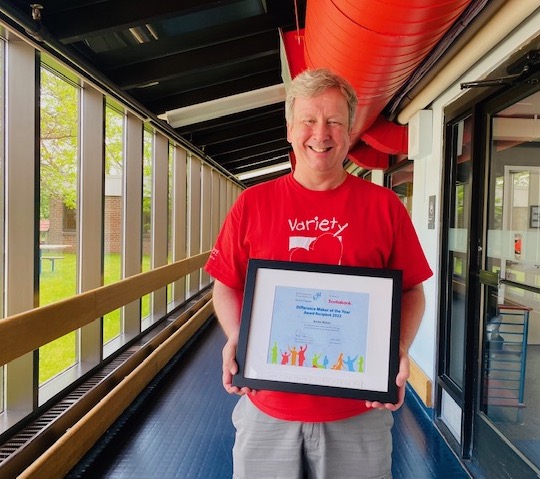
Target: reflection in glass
[(401, 183), (511, 331), (458, 249)]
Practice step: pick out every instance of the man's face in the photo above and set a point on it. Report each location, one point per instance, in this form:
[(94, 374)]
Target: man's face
[(319, 133)]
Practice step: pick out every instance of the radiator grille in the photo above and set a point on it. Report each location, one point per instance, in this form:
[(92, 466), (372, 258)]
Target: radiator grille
[(45, 420)]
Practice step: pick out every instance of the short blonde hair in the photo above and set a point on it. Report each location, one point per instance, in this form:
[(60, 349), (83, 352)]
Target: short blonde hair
[(311, 83)]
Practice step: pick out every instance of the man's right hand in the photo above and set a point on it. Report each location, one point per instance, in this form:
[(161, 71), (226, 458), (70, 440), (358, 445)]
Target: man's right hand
[(230, 368), (227, 305)]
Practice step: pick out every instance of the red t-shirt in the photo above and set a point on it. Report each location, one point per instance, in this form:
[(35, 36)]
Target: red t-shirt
[(357, 224)]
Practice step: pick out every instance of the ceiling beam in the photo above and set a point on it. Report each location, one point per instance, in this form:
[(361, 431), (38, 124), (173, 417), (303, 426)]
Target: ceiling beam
[(213, 77), (254, 82), (253, 153), (174, 66), (247, 144), (67, 25), (196, 40), (246, 130), (237, 120), (243, 168)]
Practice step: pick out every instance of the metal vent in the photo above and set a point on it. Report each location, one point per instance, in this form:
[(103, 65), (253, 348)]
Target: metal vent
[(28, 436)]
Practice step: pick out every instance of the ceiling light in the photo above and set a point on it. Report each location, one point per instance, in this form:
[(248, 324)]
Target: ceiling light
[(224, 106), (138, 35), (264, 171), (149, 84), (150, 28)]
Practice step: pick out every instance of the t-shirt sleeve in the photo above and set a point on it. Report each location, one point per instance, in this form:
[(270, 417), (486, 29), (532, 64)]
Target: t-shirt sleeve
[(228, 259)]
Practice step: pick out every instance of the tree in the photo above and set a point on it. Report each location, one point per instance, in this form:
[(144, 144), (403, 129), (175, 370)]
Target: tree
[(59, 138), (114, 141)]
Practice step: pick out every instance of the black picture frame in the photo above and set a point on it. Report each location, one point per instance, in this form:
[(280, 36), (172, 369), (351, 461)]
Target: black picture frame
[(291, 308)]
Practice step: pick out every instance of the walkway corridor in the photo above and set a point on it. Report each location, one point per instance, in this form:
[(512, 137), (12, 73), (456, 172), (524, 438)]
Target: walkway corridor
[(181, 428)]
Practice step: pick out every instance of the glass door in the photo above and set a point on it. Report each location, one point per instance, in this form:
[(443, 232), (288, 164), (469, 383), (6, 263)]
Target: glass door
[(507, 432), (459, 260)]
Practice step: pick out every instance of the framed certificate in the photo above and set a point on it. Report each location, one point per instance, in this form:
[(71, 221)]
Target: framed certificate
[(320, 329)]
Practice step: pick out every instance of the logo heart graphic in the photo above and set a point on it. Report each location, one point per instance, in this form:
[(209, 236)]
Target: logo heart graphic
[(327, 249)]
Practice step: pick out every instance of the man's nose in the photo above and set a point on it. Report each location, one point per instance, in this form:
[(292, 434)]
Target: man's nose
[(321, 130)]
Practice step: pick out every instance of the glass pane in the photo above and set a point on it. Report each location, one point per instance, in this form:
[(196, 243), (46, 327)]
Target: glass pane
[(511, 355), (2, 195), (170, 213), (58, 210), (401, 183), (458, 253), (148, 146), (114, 201)]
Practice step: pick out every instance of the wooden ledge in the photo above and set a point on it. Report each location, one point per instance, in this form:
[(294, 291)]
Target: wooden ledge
[(421, 383)]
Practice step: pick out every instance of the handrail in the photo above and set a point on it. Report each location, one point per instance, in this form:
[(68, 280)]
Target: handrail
[(42, 325), (517, 284), (77, 440)]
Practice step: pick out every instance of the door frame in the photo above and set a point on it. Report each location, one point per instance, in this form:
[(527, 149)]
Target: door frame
[(490, 449), (492, 454), (464, 397)]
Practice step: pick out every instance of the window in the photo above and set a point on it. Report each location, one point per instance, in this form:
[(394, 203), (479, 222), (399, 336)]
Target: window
[(148, 150), (170, 222), (2, 190), (113, 206), (59, 115), (400, 181)]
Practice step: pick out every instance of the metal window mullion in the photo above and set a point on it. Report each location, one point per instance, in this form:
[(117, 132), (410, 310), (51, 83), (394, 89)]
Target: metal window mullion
[(194, 218), (216, 210), (132, 216), (90, 214), (206, 216), (21, 189), (179, 217), (160, 171)]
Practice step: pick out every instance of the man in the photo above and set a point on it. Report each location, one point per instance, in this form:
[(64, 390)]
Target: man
[(318, 214)]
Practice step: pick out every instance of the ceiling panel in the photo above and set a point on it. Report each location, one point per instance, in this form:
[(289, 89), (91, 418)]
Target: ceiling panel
[(171, 54)]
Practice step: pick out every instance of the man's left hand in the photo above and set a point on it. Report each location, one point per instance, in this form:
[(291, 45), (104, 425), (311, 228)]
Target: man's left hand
[(401, 382)]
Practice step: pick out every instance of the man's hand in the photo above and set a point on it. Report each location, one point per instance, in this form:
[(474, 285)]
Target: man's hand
[(227, 304), (230, 368), (412, 309), (401, 382)]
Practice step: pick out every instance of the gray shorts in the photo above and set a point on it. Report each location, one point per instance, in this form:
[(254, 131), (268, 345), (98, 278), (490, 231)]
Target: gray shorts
[(266, 447)]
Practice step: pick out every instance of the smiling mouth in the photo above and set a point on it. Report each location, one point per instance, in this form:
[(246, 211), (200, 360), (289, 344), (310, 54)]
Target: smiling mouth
[(320, 150)]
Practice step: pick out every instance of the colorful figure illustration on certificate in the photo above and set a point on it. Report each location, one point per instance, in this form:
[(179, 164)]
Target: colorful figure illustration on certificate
[(319, 328)]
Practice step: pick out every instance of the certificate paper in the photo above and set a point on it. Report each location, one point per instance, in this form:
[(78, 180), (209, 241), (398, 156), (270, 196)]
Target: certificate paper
[(320, 329)]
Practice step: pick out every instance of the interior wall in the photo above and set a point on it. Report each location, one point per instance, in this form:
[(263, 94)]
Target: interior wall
[(426, 184)]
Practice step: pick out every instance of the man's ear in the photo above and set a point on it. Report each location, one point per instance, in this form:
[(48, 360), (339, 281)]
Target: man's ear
[(289, 137)]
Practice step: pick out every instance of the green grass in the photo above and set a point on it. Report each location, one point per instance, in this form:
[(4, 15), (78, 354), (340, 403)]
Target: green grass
[(60, 354)]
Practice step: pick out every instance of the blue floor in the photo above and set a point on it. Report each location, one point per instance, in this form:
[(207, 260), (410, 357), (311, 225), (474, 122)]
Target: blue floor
[(181, 428)]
